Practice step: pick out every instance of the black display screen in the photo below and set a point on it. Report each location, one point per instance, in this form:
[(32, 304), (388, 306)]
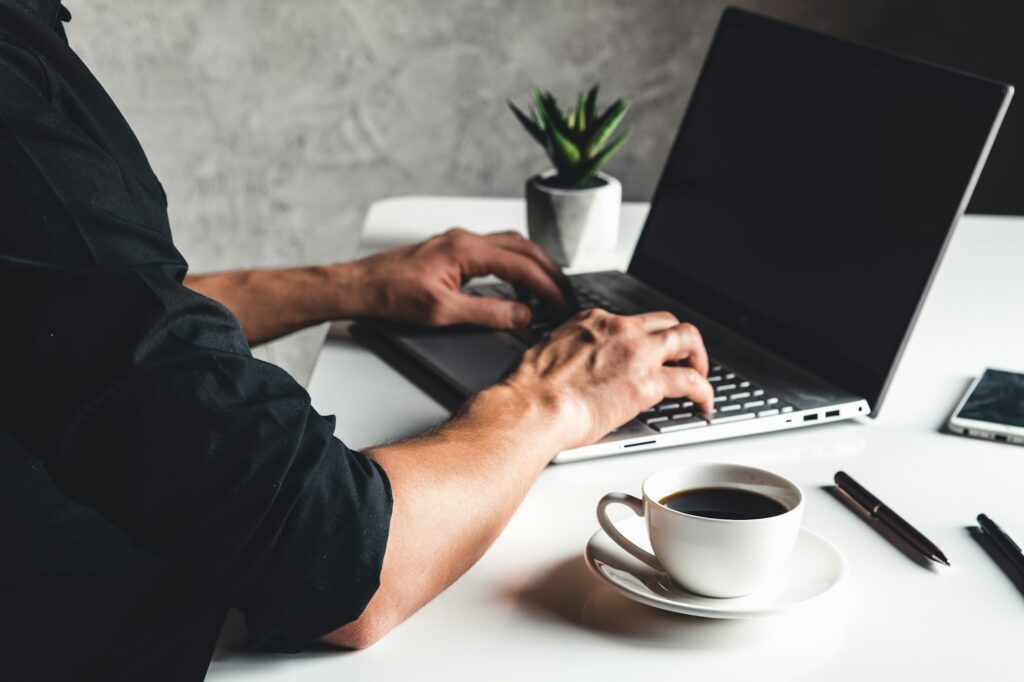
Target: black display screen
[(998, 398), (810, 192)]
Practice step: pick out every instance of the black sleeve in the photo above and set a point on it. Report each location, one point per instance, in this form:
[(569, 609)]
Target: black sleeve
[(78, 601), (217, 461), (142, 400)]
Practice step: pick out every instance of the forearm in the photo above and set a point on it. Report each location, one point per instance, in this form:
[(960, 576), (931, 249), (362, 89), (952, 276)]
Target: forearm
[(421, 284), (454, 490), (269, 303)]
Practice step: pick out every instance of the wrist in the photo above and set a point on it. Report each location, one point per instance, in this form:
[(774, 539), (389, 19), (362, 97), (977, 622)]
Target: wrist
[(342, 290), (537, 418)]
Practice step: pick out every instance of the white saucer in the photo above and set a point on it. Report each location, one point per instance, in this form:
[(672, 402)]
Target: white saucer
[(815, 567)]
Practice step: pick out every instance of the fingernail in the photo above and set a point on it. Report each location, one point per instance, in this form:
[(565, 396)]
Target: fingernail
[(520, 316)]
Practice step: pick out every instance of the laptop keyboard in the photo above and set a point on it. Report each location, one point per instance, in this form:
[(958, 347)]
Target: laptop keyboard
[(736, 397), (585, 297)]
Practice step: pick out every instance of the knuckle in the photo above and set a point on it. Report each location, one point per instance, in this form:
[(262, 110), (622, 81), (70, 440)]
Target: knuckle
[(689, 376), (505, 315), (457, 238), (669, 317), (437, 312), (614, 323), (690, 332), (683, 338), (650, 389), (530, 268)]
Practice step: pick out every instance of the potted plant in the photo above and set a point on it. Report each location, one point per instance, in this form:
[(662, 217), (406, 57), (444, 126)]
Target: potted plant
[(572, 210)]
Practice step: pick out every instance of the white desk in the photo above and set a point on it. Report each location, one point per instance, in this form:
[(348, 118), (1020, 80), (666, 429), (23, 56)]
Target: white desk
[(530, 610)]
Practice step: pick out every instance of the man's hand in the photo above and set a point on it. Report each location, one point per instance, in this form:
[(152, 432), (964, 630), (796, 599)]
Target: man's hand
[(423, 283), (599, 370), (590, 375), (420, 284)]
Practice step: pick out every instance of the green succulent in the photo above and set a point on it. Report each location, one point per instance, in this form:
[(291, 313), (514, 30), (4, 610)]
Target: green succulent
[(579, 141)]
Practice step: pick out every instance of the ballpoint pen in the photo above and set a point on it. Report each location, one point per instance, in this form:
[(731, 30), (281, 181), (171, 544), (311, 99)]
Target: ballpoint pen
[(859, 495), (1003, 541)]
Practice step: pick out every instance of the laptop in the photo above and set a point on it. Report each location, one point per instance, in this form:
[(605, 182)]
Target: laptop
[(798, 222)]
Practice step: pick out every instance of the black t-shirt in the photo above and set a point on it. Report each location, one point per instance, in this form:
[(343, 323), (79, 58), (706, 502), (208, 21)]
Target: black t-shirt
[(152, 472)]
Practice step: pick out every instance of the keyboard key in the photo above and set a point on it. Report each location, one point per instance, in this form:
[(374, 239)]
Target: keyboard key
[(725, 387), (680, 424), (770, 401), (721, 398), (731, 407), (740, 396), (753, 403), (768, 413), (655, 420), (681, 415), (744, 384), (758, 392), (650, 409), (687, 404), (730, 376), (787, 408), (668, 406), (714, 378), (738, 417)]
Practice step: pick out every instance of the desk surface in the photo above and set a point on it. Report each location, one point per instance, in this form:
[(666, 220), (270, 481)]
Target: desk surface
[(530, 610)]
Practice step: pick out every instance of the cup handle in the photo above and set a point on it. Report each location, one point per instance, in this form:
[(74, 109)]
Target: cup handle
[(608, 526)]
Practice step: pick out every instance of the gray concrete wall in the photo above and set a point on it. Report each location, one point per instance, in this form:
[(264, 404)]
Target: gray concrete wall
[(274, 124)]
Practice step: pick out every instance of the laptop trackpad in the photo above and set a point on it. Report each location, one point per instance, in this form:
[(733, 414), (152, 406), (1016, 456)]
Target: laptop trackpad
[(472, 359)]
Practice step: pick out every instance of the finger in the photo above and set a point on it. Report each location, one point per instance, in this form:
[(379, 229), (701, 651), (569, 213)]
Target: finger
[(486, 311), (684, 342), (686, 382), (515, 268), (517, 242), (656, 321), (513, 241)]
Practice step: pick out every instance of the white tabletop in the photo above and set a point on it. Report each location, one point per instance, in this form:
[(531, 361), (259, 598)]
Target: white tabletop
[(530, 610)]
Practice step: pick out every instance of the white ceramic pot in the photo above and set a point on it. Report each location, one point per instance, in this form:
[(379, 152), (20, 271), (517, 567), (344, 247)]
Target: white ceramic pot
[(573, 224)]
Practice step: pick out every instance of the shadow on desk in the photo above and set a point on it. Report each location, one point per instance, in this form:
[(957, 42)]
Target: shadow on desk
[(884, 531), (232, 655), (570, 594), (1000, 560)]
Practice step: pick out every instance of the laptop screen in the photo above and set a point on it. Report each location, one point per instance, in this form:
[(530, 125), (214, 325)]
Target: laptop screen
[(810, 193)]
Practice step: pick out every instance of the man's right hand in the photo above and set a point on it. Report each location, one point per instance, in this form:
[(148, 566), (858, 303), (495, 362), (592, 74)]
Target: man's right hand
[(598, 370), (593, 373)]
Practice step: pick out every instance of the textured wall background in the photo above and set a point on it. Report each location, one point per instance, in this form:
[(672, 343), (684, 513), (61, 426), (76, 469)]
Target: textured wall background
[(274, 124)]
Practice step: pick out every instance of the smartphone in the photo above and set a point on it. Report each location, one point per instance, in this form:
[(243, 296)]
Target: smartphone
[(992, 408)]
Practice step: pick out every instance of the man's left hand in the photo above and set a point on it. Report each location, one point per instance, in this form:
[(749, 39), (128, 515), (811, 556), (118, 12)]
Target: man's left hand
[(423, 283)]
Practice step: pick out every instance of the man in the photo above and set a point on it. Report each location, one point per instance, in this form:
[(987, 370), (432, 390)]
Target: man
[(153, 474)]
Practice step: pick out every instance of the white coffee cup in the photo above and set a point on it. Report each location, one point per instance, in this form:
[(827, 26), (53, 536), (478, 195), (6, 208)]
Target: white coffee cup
[(712, 556)]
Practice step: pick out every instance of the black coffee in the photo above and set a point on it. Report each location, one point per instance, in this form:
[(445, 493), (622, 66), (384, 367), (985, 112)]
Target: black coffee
[(723, 503)]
